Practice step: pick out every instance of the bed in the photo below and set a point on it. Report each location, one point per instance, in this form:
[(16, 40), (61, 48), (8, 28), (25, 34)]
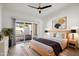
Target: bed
[(46, 50)]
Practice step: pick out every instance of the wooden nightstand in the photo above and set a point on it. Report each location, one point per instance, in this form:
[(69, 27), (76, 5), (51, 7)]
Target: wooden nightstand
[(73, 42)]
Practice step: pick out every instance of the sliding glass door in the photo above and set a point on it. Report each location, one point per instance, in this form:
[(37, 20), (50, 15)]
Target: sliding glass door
[(23, 31)]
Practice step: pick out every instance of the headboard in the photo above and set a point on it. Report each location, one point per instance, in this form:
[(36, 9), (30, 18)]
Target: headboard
[(61, 33)]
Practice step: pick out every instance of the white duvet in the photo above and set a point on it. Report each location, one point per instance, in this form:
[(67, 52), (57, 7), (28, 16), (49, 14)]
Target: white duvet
[(46, 47), (43, 46)]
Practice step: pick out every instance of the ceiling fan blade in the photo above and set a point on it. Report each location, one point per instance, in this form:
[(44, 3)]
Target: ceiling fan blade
[(46, 7), (32, 7)]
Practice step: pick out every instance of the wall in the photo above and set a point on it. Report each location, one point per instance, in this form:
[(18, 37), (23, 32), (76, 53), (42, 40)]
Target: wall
[(8, 14), (0, 16), (72, 13)]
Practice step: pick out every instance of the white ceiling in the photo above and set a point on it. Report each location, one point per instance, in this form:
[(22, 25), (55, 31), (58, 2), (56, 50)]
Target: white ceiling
[(23, 8)]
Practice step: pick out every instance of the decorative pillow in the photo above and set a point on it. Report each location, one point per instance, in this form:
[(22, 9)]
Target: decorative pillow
[(54, 35), (60, 35)]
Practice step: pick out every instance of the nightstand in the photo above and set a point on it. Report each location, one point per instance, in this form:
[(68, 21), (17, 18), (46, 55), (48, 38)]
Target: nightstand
[(72, 43), (73, 40)]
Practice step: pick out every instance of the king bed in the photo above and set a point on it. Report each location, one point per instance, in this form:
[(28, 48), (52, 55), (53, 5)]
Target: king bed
[(48, 47)]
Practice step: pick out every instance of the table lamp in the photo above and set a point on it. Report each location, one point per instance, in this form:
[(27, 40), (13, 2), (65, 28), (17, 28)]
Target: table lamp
[(73, 31)]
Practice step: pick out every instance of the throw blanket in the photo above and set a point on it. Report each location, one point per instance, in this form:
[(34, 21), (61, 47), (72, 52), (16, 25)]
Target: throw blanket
[(55, 45)]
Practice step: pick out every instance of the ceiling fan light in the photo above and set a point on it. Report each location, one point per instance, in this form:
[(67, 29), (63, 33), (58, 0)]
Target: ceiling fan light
[(39, 11), (40, 8)]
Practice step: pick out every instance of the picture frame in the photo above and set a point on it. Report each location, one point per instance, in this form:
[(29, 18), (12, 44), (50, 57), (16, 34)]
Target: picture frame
[(60, 23)]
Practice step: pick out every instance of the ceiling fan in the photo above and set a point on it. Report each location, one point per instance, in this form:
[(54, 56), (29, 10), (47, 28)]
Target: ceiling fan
[(39, 7)]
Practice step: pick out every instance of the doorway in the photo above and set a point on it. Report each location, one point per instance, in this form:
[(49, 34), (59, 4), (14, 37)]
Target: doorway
[(23, 32)]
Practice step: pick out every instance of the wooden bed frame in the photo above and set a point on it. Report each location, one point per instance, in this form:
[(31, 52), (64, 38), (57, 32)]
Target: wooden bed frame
[(42, 52), (45, 53)]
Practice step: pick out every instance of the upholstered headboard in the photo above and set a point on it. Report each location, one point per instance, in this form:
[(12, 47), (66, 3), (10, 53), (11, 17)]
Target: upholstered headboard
[(58, 33)]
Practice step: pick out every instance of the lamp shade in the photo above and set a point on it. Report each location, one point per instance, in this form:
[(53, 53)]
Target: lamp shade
[(46, 31), (73, 31)]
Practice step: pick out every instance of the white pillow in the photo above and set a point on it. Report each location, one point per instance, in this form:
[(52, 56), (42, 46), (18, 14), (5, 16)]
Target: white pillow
[(60, 35)]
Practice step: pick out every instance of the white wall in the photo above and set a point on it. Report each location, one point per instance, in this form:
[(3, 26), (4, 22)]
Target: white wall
[(8, 14), (0, 16), (72, 13)]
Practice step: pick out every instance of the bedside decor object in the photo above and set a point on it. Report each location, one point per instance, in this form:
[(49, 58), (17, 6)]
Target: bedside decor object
[(73, 31), (46, 31), (73, 38)]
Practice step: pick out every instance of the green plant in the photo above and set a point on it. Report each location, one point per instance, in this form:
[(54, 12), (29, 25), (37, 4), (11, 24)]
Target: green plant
[(7, 32)]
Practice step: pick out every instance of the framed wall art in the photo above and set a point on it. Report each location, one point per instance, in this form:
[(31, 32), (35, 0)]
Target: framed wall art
[(60, 23)]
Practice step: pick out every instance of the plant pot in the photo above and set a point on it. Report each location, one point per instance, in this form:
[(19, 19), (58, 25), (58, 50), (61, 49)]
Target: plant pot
[(10, 43), (5, 44)]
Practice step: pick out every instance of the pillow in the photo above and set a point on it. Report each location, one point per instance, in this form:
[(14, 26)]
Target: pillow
[(54, 35), (60, 35)]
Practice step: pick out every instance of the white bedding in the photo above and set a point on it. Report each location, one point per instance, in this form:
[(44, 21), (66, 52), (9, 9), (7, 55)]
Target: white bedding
[(43, 46), (59, 40), (48, 48)]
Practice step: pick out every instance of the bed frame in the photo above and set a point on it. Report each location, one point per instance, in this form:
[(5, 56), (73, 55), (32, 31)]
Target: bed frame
[(42, 52)]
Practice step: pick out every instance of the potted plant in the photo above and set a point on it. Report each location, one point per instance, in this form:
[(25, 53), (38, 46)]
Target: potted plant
[(8, 32)]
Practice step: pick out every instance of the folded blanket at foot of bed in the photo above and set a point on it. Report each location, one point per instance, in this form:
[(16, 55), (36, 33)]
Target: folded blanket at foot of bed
[(55, 45)]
